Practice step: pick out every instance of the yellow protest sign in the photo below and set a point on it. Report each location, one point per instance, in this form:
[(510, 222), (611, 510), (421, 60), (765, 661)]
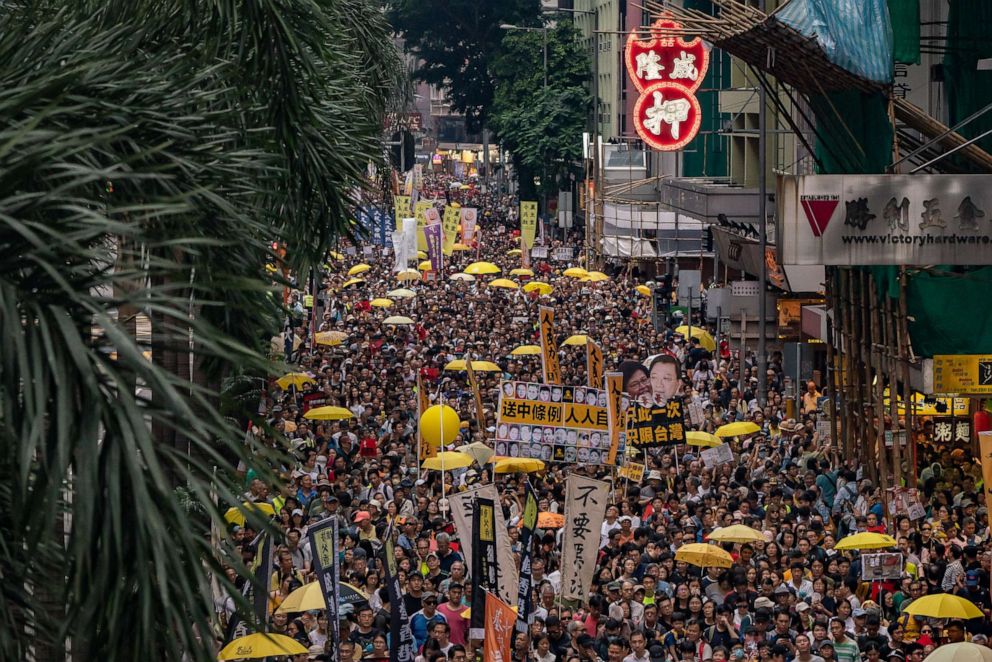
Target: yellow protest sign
[(449, 224), (633, 472), (528, 222), (401, 205), (419, 212), (615, 415), (549, 346)]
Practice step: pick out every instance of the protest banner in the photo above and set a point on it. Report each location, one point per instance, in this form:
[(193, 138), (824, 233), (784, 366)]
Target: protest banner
[(255, 592), (419, 212), (655, 426), (616, 413), (881, 567), (469, 216), (424, 450), (528, 223), (594, 364), (985, 447), (402, 645), (539, 253), (549, 346), (632, 471), (483, 562), (323, 540), (714, 457), (552, 423), (432, 234), (480, 411), (585, 509), (449, 223), (403, 209), (498, 630), (461, 516), (529, 523)]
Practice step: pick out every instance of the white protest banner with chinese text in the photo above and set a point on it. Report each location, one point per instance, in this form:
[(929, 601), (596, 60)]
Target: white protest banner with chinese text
[(585, 509)]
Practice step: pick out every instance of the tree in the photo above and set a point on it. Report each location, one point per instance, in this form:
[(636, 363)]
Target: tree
[(542, 126), (148, 159), (455, 43)]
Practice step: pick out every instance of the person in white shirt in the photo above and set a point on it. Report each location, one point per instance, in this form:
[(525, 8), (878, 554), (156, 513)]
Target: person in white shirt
[(638, 648)]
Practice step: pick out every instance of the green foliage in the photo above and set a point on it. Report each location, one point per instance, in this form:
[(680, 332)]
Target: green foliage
[(542, 127), (147, 160), (456, 42)]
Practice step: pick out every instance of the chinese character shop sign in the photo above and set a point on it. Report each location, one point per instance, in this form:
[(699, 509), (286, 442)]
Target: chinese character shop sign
[(667, 71)]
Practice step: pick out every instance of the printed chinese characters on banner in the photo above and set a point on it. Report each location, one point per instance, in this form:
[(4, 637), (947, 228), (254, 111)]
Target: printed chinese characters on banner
[(585, 509)]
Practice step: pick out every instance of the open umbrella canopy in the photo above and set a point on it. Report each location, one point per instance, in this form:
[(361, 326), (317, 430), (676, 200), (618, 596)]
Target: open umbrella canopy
[(328, 413), (643, 290), (737, 533), (482, 269), (259, 645), (704, 555), (425, 265), (520, 271), (401, 293), (461, 276), (352, 281), (505, 283), (448, 460), (478, 451), (944, 605), (963, 651), (699, 333), (236, 515), (738, 429), (479, 366), (330, 338), (513, 465), (526, 350), (597, 277), (408, 275), (576, 341), (866, 540), (310, 597), (515, 252), (397, 319), (335, 255), (541, 288), (296, 379), (576, 272), (548, 520), (359, 269), (461, 247), (421, 255), (702, 439), (380, 303)]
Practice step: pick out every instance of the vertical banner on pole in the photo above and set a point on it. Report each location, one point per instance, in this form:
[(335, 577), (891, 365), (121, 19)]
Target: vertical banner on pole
[(461, 504), (402, 645), (323, 540), (594, 364), (615, 412), (585, 509), (524, 256), (424, 450), (432, 235), (480, 411), (528, 222), (549, 346), (499, 630), (529, 521), (469, 216), (403, 209), (483, 563), (449, 224), (419, 212)]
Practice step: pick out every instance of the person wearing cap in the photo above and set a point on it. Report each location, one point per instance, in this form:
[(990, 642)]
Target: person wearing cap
[(422, 621)]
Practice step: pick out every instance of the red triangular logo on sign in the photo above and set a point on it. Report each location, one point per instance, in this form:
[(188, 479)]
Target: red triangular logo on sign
[(819, 209)]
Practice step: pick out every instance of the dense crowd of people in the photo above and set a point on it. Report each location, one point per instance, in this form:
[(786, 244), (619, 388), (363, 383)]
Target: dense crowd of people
[(789, 596)]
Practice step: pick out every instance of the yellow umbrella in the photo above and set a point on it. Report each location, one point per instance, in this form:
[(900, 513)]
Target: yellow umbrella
[(736, 533), (513, 253), (512, 465), (576, 341), (547, 520), (297, 379), (271, 268), (526, 350), (336, 255), (305, 598), (236, 515), (703, 439), (643, 290), (352, 281), (866, 540), (541, 288), (482, 269), (576, 272), (704, 555), (358, 269), (401, 293), (738, 429), (598, 277), (331, 338), (397, 319), (259, 645), (479, 366), (505, 283), (328, 413), (447, 460), (408, 274), (421, 255), (425, 265), (380, 303), (701, 334), (461, 276), (520, 271), (461, 247), (943, 605)]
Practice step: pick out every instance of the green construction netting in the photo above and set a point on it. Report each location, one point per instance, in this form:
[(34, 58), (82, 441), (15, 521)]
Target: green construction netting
[(857, 131), (707, 155), (948, 308), (967, 90), (905, 17)]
